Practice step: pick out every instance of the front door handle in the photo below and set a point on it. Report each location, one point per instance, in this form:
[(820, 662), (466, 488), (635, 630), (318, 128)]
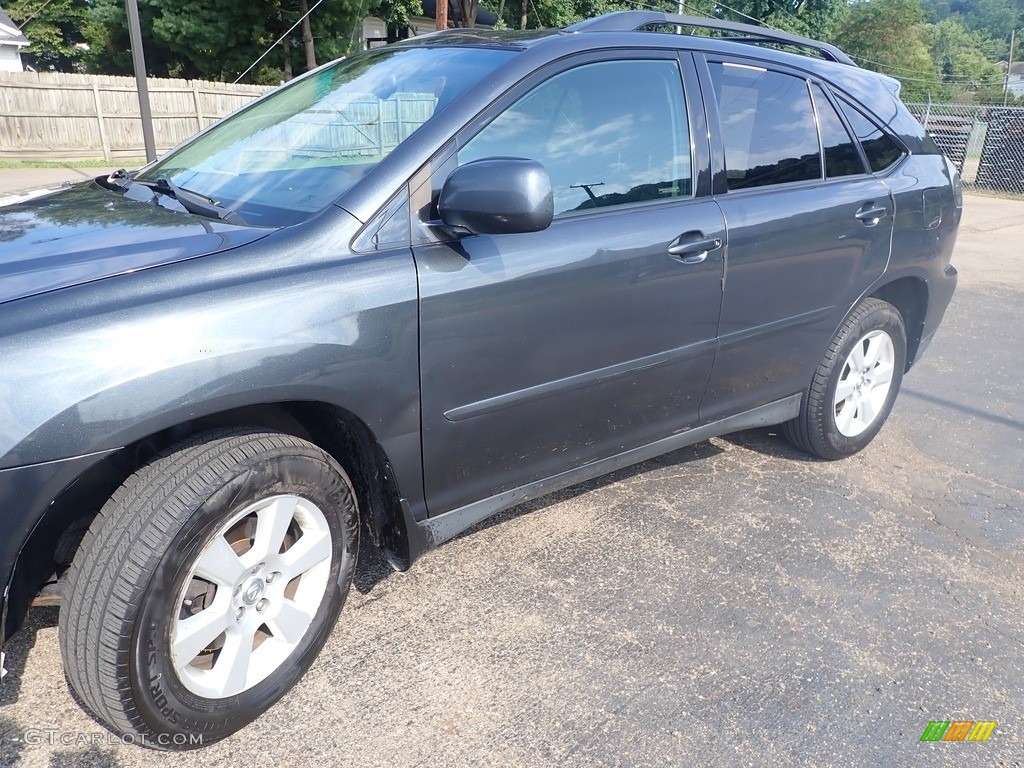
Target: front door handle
[(870, 213), (693, 247)]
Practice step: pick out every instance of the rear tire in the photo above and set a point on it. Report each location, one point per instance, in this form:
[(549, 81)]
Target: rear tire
[(207, 585), (855, 385)]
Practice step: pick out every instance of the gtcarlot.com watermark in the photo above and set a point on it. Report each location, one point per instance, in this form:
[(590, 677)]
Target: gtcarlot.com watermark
[(55, 737)]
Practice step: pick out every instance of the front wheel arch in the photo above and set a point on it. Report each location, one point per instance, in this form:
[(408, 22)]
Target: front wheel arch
[(55, 537)]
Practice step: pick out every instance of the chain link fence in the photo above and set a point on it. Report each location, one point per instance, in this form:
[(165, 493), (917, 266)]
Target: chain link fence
[(985, 142)]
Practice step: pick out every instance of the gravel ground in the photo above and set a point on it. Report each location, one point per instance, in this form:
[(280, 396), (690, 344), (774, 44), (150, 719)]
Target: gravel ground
[(730, 604)]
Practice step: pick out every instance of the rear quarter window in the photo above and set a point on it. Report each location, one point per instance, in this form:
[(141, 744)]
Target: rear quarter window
[(881, 149)]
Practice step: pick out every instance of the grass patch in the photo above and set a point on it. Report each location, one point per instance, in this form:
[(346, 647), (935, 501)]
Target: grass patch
[(128, 162)]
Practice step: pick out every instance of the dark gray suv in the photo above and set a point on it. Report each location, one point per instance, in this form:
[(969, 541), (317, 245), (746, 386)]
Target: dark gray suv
[(418, 286)]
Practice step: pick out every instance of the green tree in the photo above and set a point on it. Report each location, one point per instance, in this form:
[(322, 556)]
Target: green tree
[(993, 19), (889, 36), (54, 29), (396, 13), (997, 18), (196, 38), (960, 56), (817, 19)]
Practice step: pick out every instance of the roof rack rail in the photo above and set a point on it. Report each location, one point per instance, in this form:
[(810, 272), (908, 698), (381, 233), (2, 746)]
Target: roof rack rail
[(627, 21)]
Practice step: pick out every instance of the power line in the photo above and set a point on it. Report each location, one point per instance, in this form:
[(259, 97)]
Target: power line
[(950, 78), (745, 16), (35, 13), (274, 44), (940, 80), (786, 11)]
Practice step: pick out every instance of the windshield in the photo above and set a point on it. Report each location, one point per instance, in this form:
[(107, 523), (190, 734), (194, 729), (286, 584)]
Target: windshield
[(291, 154)]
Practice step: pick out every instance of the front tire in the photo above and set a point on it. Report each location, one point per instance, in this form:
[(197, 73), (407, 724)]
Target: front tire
[(855, 385), (207, 585)]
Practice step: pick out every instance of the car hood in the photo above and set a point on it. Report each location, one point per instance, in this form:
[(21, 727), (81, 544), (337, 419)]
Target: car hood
[(87, 232)]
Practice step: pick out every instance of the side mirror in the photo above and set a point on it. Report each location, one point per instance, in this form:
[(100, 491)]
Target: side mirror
[(497, 196)]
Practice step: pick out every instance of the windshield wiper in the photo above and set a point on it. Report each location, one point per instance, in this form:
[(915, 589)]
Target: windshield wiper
[(193, 202)]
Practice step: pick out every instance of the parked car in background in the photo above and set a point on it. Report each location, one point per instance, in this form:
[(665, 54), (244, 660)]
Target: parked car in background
[(421, 285)]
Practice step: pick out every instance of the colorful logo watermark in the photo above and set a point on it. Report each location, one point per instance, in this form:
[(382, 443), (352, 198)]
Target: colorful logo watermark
[(958, 730)]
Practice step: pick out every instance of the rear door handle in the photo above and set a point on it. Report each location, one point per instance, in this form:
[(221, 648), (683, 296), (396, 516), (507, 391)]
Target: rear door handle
[(693, 247), (869, 213)]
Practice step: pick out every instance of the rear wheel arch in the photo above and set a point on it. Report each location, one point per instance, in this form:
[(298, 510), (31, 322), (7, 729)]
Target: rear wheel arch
[(909, 295), (56, 536)]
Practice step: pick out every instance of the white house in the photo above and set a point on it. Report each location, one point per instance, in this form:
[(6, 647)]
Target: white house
[(11, 43), (1015, 79)]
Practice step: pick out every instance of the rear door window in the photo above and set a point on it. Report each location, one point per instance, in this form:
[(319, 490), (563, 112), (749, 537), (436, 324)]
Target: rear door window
[(768, 127), (841, 155)]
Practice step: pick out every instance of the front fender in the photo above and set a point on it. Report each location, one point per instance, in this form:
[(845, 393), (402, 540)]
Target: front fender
[(89, 369), (344, 334)]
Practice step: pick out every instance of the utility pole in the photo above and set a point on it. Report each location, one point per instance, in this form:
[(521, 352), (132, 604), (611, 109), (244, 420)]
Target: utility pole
[(441, 13), (139, 62), (1009, 69)]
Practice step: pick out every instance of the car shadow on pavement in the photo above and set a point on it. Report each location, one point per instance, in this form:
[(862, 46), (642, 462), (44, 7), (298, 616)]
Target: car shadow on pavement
[(12, 743), (17, 650), (691, 453), (372, 567), (768, 441), (14, 738)]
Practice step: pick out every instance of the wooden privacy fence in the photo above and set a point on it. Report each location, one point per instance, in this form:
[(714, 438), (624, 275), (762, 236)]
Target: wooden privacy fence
[(53, 116)]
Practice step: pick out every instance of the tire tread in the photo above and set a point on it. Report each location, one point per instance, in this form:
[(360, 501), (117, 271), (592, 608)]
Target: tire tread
[(120, 551)]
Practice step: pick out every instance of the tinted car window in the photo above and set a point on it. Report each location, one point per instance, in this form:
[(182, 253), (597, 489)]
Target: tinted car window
[(768, 126), (608, 133), (881, 150), (841, 155)]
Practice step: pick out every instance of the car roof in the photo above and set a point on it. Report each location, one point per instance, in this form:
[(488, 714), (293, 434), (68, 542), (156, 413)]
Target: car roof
[(559, 42), (633, 21)]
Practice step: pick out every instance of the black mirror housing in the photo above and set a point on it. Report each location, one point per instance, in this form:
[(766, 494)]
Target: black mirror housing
[(497, 196)]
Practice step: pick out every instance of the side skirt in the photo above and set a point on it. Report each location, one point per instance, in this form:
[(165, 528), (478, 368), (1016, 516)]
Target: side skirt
[(437, 530)]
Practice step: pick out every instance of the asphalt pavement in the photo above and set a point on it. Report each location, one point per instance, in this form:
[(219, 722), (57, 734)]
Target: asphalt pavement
[(731, 604)]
